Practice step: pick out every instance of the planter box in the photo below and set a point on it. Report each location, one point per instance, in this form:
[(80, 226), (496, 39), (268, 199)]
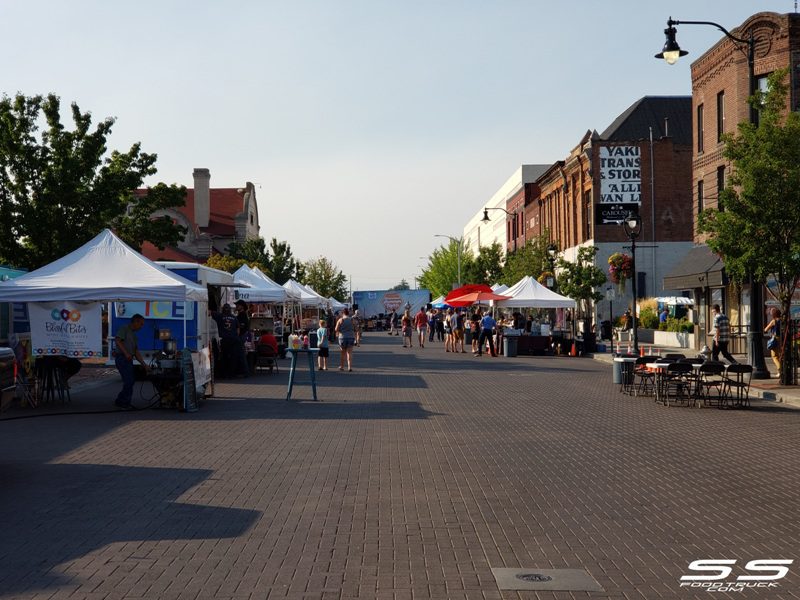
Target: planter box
[(674, 339)]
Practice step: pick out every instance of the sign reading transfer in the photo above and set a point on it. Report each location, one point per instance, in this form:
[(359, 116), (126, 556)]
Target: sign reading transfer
[(620, 175)]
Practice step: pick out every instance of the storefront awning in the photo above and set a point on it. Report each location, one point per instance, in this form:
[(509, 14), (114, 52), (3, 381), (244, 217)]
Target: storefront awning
[(700, 268)]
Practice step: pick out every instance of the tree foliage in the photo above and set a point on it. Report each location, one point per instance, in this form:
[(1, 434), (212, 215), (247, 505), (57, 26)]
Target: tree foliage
[(224, 262), (403, 285), (441, 274), (326, 279), (253, 252), (579, 280), (488, 266), (60, 187), (282, 265), (531, 259), (756, 228)]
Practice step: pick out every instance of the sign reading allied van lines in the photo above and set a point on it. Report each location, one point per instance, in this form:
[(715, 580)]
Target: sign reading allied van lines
[(620, 183)]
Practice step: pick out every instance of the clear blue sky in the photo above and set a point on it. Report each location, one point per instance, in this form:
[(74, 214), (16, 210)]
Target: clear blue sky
[(367, 126)]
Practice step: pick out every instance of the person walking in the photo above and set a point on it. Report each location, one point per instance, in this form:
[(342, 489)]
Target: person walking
[(449, 345), (357, 325), (128, 349), (228, 326), (774, 343), (441, 325), (457, 323), (322, 344), (421, 325), (722, 335), (406, 327), (432, 319), (347, 339), (487, 333), (475, 329)]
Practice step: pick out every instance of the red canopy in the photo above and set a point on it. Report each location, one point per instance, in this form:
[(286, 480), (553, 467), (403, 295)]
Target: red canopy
[(466, 289), (474, 297)]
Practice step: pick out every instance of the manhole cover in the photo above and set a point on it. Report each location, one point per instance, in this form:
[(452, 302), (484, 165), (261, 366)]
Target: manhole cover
[(536, 577)]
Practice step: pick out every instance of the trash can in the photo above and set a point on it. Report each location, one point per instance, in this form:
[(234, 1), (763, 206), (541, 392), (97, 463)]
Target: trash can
[(510, 345), (312, 339), (617, 379)]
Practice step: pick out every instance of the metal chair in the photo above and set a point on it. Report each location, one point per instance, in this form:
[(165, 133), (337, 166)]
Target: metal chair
[(677, 383), (711, 377), (674, 356), (646, 379), (266, 358), (737, 384)]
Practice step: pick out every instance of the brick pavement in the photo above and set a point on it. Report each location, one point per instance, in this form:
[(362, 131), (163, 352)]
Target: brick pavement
[(419, 473)]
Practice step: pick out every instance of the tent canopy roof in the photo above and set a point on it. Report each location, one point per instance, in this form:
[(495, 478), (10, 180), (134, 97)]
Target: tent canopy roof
[(529, 293), (260, 287), (308, 297), (104, 268)]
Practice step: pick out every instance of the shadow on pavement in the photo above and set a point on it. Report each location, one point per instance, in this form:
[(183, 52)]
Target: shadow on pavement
[(73, 510)]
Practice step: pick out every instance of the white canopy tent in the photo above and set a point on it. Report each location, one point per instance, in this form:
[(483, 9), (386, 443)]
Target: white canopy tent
[(308, 297), (260, 288), (335, 304), (104, 269), (529, 293), (675, 300), (500, 288)]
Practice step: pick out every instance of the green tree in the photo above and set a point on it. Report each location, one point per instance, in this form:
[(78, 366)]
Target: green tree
[(60, 187), (488, 266), (579, 280), (756, 228), (325, 278), (253, 251), (441, 275), (223, 262), (282, 264), (531, 259), (403, 285)]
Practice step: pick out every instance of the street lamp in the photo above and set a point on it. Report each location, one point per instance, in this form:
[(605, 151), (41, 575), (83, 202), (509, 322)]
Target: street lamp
[(552, 250), (671, 53), (458, 252), (486, 219), (633, 225)]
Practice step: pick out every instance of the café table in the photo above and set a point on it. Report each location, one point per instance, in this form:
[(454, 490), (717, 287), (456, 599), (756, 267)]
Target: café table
[(661, 384), (294, 352)]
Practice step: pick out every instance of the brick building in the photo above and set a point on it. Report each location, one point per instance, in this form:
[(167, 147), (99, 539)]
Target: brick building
[(214, 217), (720, 89), (623, 169)]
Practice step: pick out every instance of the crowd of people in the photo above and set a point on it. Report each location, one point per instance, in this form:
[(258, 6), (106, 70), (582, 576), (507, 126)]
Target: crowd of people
[(449, 326)]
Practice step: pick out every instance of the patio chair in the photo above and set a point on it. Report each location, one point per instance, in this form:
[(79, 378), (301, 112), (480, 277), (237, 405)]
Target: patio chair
[(646, 385), (266, 358), (677, 383), (711, 377), (674, 356), (737, 384)]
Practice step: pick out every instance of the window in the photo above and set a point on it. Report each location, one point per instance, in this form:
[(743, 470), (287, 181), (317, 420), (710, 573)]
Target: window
[(762, 85), (720, 115), (699, 128), (720, 186), (700, 204)]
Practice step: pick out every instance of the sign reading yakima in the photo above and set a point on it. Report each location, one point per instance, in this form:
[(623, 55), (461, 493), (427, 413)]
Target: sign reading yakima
[(620, 175)]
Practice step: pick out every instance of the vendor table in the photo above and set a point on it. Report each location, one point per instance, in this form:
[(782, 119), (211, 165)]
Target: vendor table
[(533, 344), (292, 367)]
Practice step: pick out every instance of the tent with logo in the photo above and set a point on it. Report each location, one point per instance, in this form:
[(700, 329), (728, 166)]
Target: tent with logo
[(260, 288), (104, 269)]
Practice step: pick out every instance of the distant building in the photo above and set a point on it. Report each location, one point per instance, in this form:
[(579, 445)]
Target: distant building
[(214, 217)]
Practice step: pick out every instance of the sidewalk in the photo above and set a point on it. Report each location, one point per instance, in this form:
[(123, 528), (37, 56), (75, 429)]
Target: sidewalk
[(766, 389)]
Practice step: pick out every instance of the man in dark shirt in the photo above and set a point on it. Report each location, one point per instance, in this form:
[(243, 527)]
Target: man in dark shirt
[(228, 326), (127, 348)]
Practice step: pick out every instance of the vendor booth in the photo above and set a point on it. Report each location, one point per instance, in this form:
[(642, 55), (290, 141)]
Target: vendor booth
[(529, 293), (66, 296)]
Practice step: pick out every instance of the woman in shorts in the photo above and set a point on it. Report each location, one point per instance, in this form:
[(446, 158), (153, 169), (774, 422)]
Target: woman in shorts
[(347, 339), (407, 328)]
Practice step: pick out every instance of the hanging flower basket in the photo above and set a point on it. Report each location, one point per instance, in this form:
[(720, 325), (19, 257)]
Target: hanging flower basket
[(544, 277), (620, 269)]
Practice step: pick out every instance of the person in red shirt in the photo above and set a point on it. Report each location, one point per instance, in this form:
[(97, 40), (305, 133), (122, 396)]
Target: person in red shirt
[(421, 325), (270, 340)]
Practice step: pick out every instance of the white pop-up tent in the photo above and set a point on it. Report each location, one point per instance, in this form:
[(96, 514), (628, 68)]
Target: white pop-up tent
[(335, 304), (308, 298), (529, 293), (260, 288), (500, 288), (104, 269)]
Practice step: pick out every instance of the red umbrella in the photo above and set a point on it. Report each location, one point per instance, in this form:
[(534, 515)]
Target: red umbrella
[(475, 297), (466, 289)]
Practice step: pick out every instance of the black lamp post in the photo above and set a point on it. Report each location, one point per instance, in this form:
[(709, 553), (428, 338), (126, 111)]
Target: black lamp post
[(486, 219), (671, 53), (552, 250), (633, 225)]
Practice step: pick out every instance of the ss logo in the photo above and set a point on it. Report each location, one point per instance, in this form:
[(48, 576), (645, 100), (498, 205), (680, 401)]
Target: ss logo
[(722, 570)]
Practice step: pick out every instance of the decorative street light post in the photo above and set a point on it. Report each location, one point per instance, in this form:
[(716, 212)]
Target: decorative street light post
[(458, 252), (552, 250), (486, 219), (747, 46), (633, 225)]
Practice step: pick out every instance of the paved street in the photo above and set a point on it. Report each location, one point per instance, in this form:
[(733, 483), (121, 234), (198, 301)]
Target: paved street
[(419, 473)]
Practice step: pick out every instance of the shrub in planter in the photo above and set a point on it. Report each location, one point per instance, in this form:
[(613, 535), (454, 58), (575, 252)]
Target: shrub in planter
[(648, 319)]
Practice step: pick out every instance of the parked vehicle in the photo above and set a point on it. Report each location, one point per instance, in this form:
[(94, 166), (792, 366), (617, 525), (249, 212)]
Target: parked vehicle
[(8, 375)]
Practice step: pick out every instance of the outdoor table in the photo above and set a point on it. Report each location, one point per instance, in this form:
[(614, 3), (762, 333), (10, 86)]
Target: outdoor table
[(627, 372), (660, 369), (292, 368)]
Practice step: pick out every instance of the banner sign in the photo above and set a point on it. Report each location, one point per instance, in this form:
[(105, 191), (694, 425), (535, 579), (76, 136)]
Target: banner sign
[(605, 214), (155, 310), (374, 303), (66, 328)]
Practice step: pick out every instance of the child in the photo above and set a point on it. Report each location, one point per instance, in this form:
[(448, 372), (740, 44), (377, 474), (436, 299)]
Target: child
[(322, 344)]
